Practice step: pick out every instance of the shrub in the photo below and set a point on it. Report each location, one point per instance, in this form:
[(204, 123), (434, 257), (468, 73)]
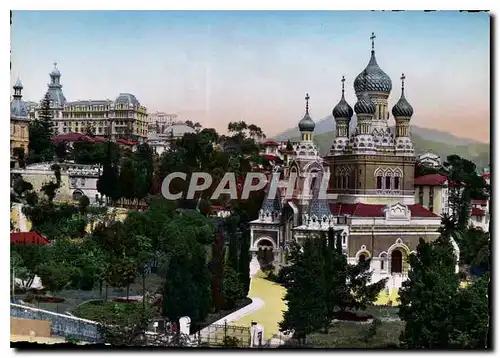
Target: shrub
[(352, 317), (231, 342)]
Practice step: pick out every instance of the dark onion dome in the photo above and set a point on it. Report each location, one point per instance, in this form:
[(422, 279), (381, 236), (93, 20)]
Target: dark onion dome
[(365, 105), (377, 80), (306, 124), (402, 108), (342, 109)]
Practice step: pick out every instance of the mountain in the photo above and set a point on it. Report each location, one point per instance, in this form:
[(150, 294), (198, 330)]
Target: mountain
[(424, 140), (327, 124)]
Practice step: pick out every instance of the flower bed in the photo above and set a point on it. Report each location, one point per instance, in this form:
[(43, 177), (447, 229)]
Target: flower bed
[(125, 300)]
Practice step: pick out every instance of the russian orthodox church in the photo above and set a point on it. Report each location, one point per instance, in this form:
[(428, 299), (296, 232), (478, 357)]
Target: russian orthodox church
[(371, 180)]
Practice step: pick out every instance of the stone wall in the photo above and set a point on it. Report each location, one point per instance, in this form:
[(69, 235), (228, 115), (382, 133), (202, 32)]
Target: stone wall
[(61, 325)]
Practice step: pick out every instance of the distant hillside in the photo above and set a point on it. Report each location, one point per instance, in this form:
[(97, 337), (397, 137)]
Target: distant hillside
[(479, 153), (327, 124)]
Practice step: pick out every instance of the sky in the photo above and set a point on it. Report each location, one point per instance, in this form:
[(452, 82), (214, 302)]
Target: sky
[(221, 66)]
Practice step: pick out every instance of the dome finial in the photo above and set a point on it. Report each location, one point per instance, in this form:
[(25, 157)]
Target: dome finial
[(372, 37), (55, 64), (343, 80), (403, 77), (307, 103)]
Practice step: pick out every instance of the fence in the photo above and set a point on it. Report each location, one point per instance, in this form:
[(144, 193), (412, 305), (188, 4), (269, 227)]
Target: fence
[(224, 335), (61, 325)]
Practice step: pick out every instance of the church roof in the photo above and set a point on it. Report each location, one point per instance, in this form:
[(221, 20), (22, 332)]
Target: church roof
[(375, 210), (272, 204)]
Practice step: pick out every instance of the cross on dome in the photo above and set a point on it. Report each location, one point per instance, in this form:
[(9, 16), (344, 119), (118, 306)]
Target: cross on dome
[(372, 37)]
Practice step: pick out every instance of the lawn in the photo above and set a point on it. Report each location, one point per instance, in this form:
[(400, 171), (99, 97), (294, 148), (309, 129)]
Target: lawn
[(352, 335), (272, 313)]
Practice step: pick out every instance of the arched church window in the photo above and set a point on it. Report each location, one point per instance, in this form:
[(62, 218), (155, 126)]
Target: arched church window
[(345, 183), (383, 259), (362, 258), (379, 182), (387, 182), (396, 262), (396, 183)]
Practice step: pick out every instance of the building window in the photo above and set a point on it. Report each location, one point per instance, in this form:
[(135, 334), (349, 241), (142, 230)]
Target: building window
[(396, 262), (379, 182), (421, 195), (396, 183), (387, 182)]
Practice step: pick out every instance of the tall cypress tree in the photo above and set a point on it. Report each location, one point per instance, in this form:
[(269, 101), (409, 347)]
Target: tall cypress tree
[(41, 131), (306, 298), (244, 260), (427, 296)]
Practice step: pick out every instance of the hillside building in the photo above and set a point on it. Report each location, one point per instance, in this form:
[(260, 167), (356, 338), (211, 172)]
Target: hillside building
[(124, 117)]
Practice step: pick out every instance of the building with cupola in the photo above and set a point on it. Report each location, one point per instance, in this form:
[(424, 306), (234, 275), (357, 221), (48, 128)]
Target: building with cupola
[(19, 120), (123, 117), (369, 176)]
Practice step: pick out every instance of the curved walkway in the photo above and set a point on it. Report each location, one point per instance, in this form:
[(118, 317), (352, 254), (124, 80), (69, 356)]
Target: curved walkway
[(271, 313)]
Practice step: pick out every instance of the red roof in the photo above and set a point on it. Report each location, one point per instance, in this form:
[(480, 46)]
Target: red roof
[(269, 156), (376, 210), (31, 237), (97, 139), (72, 137), (125, 142), (477, 212), (480, 202), (486, 175), (431, 179), (271, 143)]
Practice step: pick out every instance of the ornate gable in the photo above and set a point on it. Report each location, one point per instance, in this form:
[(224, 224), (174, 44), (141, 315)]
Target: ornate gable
[(397, 212)]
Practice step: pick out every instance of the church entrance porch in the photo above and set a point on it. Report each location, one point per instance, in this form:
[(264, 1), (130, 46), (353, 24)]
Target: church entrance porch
[(265, 254)]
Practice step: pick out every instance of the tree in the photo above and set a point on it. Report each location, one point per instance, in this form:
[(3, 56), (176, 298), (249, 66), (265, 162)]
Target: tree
[(306, 295), (19, 153), (217, 270), (108, 183), (179, 296), (244, 261), (465, 185), (427, 297), (41, 131), (83, 204), (55, 276), (128, 325), (472, 315), (21, 186), (61, 151), (231, 287)]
